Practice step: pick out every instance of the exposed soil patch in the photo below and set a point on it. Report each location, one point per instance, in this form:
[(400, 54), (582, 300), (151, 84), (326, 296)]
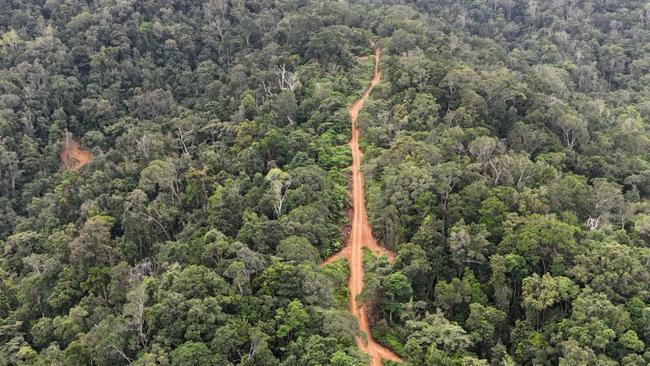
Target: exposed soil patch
[(73, 156)]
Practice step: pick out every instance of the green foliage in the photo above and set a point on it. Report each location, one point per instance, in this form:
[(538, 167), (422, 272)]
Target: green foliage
[(295, 248), (434, 337), (505, 162), (543, 241), (192, 353), (492, 172)]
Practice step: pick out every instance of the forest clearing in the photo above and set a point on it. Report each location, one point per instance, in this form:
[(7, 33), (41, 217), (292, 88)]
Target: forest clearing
[(73, 156)]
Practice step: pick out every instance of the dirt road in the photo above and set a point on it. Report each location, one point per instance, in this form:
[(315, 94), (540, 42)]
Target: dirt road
[(361, 235)]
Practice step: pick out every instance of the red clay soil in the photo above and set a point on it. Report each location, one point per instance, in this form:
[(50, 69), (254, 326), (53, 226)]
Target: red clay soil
[(361, 236), (73, 156)]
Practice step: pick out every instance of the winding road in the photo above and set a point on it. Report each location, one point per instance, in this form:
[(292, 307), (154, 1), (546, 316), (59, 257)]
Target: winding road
[(361, 235)]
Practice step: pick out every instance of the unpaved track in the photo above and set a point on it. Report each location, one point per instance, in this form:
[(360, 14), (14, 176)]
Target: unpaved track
[(361, 235)]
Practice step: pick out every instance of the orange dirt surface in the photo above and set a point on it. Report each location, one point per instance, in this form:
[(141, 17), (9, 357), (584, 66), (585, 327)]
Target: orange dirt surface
[(73, 156), (361, 236)]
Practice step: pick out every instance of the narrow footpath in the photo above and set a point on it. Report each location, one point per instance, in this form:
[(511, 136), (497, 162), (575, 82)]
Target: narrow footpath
[(361, 235)]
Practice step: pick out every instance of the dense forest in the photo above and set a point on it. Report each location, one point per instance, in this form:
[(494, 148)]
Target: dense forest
[(173, 173)]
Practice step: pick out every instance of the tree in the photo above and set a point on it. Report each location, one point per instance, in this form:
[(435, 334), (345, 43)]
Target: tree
[(642, 227), (286, 107), (239, 275), (468, 244), (154, 104), (9, 169), (292, 320), (193, 353), (448, 295), (542, 240), (226, 207), (299, 249), (108, 342), (280, 182), (328, 46), (424, 112), (631, 342), (612, 60), (404, 185), (507, 272), (574, 354), (397, 290), (160, 174), (458, 77), (193, 282), (94, 246), (574, 130), (570, 193), (434, 332), (412, 261), (246, 264), (594, 321), (134, 312), (447, 176), (340, 358), (606, 198), (527, 138), (521, 169), (493, 214), (143, 222), (619, 271), (483, 148), (486, 325), (542, 293)]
